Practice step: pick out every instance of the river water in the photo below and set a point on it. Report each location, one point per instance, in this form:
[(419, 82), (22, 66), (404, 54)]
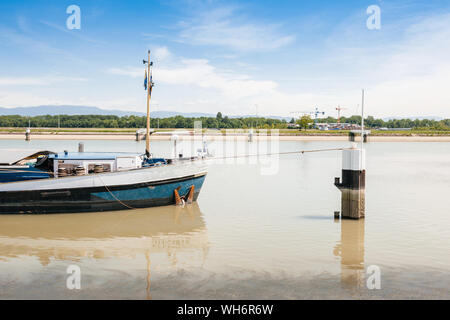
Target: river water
[(262, 228)]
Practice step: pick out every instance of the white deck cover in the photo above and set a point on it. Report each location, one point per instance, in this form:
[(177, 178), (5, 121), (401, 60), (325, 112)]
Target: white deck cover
[(12, 156)]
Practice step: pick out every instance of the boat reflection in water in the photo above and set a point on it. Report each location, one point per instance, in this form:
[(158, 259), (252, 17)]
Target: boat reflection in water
[(123, 234)]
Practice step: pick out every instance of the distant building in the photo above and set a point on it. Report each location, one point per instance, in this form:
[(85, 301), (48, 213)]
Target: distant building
[(337, 126), (322, 126), (394, 129)]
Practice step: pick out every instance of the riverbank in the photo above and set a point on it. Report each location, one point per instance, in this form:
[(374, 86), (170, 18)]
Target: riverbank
[(283, 137)]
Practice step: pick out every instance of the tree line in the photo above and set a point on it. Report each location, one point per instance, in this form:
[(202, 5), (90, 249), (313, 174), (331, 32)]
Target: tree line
[(110, 121), (394, 123), (219, 122)]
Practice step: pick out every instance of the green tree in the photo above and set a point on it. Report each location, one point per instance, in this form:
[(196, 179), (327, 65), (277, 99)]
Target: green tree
[(305, 121)]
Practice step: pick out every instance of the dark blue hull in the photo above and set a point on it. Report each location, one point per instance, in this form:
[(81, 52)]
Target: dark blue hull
[(109, 198), (21, 174)]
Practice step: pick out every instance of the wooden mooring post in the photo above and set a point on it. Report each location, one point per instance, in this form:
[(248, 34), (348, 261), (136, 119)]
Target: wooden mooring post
[(352, 135), (28, 134), (250, 135), (140, 135), (353, 184)]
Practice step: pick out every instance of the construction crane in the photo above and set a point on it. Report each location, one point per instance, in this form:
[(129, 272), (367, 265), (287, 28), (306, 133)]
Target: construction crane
[(339, 108), (316, 115)]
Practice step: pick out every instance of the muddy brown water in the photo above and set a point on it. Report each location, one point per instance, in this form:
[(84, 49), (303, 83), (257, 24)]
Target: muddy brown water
[(262, 228)]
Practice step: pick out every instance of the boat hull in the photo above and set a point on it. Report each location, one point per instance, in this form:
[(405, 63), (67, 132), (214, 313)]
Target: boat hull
[(101, 197), (20, 173)]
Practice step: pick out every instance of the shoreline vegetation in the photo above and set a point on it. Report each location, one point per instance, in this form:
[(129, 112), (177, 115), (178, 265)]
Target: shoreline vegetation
[(188, 134), (190, 131), (113, 127), (219, 122)]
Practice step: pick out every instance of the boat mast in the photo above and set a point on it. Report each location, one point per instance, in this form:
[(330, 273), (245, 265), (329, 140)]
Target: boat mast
[(362, 121), (149, 95)]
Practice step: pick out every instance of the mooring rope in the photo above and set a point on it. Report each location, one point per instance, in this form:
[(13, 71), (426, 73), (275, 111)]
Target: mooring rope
[(112, 194), (276, 153), (228, 157)]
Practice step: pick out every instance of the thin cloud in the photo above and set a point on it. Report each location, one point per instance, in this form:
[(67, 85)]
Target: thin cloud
[(200, 73), (35, 81), (73, 33), (161, 53), (220, 27), (127, 71), (16, 38)]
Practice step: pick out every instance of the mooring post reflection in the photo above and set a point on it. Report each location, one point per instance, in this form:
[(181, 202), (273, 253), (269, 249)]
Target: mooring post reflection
[(107, 236), (147, 257), (351, 246), (351, 250)]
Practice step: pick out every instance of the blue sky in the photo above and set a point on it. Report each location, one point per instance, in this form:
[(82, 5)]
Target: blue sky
[(236, 57)]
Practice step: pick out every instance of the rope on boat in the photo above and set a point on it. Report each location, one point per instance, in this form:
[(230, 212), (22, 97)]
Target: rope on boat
[(216, 158), (276, 153), (112, 194)]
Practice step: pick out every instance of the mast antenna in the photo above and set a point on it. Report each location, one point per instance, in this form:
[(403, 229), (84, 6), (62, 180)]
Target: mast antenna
[(362, 120), (149, 85)]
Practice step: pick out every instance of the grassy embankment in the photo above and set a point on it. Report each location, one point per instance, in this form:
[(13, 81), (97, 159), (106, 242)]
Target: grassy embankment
[(284, 132)]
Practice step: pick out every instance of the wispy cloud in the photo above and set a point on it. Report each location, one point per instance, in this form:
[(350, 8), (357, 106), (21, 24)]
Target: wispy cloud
[(414, 78), (161, 53), (407, 77), (73, 33), (404, 66), (132, 72), (36, 81), (25, 41), (200, 73), (222, 27)]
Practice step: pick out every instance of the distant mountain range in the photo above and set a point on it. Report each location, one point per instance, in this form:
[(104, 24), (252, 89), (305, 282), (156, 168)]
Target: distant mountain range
[(68, 110), (86, 110), (79, 110)]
